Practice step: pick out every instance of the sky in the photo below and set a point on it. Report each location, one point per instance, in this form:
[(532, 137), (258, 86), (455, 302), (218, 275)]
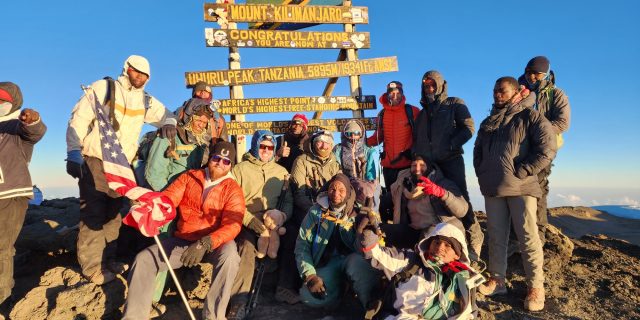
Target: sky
[(50, 48)]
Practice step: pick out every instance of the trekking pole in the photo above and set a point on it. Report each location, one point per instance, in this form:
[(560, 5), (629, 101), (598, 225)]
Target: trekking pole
[(175, 279)]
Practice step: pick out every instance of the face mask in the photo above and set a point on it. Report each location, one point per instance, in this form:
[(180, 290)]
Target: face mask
[(5, 108), (431, 98)]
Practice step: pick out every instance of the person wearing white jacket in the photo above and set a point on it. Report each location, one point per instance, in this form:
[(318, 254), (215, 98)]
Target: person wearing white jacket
[(128, 107)]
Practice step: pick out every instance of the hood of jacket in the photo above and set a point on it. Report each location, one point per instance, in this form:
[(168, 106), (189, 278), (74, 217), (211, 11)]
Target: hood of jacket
[(447, 230), (16, 95), (139, 63), (441, 87), (323, 201), (258, 137)]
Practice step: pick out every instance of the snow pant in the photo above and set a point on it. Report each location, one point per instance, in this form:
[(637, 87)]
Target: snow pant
[(100, 218), (246, 242), (149, 262), (357, 270), (288, 276), (521, 211), (453, 169), (400, 235), (161, 279), (12, 213)]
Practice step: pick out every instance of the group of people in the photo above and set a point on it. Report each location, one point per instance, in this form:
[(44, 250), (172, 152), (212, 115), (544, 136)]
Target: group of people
[(300, 204)]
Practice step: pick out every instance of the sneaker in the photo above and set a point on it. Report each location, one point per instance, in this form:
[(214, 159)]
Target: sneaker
[(157, 309), (287, 295), (237, 311), (534, 300), (117, 267), (101, 277), (493, 286)]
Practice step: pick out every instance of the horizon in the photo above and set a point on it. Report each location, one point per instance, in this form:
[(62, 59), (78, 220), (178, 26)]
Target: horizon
[(58, 46)]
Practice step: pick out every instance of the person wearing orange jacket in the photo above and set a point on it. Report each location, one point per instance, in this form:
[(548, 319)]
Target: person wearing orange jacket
[(211, 207), (394, 131)]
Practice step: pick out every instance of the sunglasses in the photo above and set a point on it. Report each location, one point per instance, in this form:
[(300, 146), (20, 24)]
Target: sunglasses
[(225, 161), (350, 134), (266, 147)]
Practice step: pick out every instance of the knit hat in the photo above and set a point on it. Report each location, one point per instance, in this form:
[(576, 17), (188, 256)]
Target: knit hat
[(455, 244), (538, 64), (258, 137), (223, 149), (324, 135), (10, 92), (200, 86), (301, 117), (395, 85), (341, 177), (139, 63)]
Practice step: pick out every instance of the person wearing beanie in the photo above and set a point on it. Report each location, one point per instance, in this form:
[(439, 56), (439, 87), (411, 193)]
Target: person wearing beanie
[(553, 104), (443, 126), (326, 250), (422, 197), (211, 206), (394, 131), (129, 107), (291, 144), (515, 142), (20, 130), (432, 281), (202, 90), (261, 180)]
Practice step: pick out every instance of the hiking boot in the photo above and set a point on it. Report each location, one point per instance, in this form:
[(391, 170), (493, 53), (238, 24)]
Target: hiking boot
[(101, 277), (237, 310), (493, 286), (117, 267), (157, 309), (287, 295), (534, 300)]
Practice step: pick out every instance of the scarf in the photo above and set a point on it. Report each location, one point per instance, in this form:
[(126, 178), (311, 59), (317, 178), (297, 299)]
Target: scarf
[(501, 115), (353, 157)]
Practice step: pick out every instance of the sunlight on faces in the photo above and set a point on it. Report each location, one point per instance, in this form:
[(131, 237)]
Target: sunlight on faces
[(418, 167), (429, 86), (394, 96), (503, 92), (199, 123), (219, 166), (296, 127), (203, 94), (438, 247), (137, 78), (353, 135), (337, 193), (265, 150), (323, 148), (533, 77)]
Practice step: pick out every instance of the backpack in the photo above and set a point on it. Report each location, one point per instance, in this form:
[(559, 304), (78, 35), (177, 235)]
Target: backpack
[(110, 99), (142, 155)]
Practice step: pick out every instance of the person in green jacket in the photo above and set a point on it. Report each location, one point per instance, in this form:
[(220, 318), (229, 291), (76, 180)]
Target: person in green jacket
[(166, 162), (261, 180), (327, 251)]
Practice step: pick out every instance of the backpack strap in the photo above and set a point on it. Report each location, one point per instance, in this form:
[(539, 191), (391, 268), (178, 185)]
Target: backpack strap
[(408, 109)]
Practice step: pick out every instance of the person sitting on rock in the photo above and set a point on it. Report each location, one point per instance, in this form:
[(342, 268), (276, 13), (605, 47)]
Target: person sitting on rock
[(211, 205), (422, 197), (261, 180), (326, 248), (431, 281)]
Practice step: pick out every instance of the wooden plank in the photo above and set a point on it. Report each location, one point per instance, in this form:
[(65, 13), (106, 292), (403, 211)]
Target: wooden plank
[(289, 26), (296, 104), (236, 92), (225, 13), (286, 39), (280, 127), (331, 83), (218, 78)]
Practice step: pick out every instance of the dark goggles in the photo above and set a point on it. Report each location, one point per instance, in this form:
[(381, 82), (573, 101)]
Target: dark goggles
[(225, 161)]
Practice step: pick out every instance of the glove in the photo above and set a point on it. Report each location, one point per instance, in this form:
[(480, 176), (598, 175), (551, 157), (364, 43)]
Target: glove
[(284, 151), (74, 163), (316, 286), (431, 188), (168, 130), (194, 253), (256, 225), (29, 116), (368, 240), (368, 218), (522, 173)]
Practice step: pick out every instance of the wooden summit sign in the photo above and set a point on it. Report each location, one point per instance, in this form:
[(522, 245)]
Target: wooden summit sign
[(296, 104), (287, 14), (280, 127), (285, 39), (219, 78)]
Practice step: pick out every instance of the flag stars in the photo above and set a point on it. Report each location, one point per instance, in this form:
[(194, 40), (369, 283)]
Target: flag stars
[(107, 145), (114, 154), (101, 123), (108, 133)]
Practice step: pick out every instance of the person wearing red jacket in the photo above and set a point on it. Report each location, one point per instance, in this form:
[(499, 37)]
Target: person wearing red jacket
[(394, 131), (211, 206)]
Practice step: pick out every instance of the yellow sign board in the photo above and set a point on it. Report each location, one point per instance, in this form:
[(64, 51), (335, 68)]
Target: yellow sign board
[(286, 39), (219, 78), (287, 14), (280, 127), (296, 104)]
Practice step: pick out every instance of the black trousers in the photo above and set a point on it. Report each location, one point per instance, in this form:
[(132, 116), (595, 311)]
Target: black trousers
[(12, 213)]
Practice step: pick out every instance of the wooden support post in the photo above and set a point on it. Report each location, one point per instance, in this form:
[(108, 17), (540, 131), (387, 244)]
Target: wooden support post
[(236, 92), (331, 83), (352, 55)]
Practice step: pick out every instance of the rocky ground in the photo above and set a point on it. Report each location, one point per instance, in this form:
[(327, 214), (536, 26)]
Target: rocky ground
[(588, 277)]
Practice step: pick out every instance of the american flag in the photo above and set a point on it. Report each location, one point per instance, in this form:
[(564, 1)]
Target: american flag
[(152, 209)]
